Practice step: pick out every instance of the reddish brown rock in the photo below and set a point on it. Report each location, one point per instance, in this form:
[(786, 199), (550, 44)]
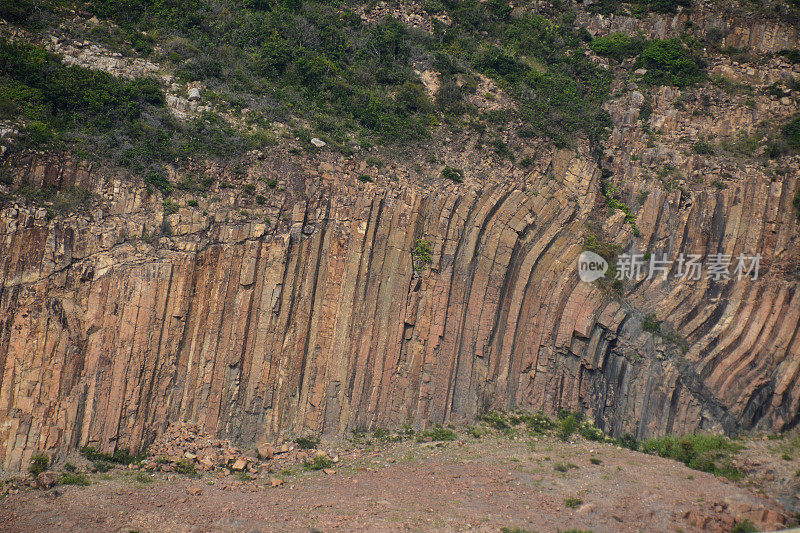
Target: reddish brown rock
[(323, 319), (46, 480)]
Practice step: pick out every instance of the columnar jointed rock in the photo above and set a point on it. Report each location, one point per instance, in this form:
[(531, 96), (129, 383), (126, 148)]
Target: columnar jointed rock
[(318, 321)]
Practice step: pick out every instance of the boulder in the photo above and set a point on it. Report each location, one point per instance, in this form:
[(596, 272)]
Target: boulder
[(46, 480)]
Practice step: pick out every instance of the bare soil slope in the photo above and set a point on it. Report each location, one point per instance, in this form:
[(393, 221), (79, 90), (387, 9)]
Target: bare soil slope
[(483, 484)]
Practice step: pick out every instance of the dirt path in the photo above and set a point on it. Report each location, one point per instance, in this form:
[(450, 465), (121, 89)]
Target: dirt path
[(474, 484)]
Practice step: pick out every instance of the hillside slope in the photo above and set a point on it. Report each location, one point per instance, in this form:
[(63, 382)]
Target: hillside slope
[(277, 287)]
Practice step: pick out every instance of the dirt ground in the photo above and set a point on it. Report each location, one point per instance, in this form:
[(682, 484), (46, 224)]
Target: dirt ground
[(470, 484)]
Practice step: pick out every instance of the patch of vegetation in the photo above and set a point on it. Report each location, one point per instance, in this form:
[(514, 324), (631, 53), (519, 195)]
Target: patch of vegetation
[(453, 174), (629, 441), (502, 149), (796, 202), (438, 434), (101, 466), (538, 422), (72, 478), (558, 100), (39, 463), (496, 420), (593, 242), (563, 467), (142, 477), (186, 468), (669, 62), (613, 200), (107, 117), (316, 61), (617, 46), (703, 148), (651, 324), (595, 461), (791, 55), (365, 178), (589, 431), (707, 453), (791, 132), (307, 443), (244, 477), (121, 456), (568, 424), (638, 7), (475, 432), (731, 87), (422, 254), (744, 526), (319, 462), (573, 503)]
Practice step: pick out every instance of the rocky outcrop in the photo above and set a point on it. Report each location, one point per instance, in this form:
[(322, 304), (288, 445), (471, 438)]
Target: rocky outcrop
[(757, 31), (287, 296), (310, 312)]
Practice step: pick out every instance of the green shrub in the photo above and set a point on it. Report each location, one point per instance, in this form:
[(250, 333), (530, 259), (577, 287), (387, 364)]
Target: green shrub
[(708, 453), (307, 443), (669, 62), (159, 180), (318, 463), (500, 8), (563, 467), (539, 422), (651, 324), (422, 254), (629, 441), (496, 420), (454, 174), (102, 466), (438, 433), (589, 431), (573, 503), (796, 203), (617, 46), (567, 426), (186, 468), (70, 478), (791, 132), (791, 55), (595, 461), (703, 147), (667, 6), (39, 463), (744, 526), (17, 11)]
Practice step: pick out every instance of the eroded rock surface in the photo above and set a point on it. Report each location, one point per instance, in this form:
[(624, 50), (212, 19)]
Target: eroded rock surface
[(308, 313)]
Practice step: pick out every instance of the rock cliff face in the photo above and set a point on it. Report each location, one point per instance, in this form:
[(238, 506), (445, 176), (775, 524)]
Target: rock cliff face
[(288, 296), (312, 312)]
